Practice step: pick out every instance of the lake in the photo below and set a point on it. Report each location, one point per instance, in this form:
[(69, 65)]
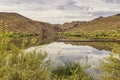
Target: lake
[(90, 53)]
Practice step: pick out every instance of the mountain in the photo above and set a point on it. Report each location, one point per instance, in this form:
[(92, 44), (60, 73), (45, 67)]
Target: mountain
[(99, 24), (101, 28), (68, 26), (18, 23), (46, 31)]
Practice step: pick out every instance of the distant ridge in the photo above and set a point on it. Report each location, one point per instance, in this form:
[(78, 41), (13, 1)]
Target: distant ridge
[(12, 16), (98, 24), (18, 23)]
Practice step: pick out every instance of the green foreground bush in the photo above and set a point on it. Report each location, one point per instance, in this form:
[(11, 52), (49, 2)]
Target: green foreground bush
[(24, 67), (71, 71), (111, 66), (15, 64)]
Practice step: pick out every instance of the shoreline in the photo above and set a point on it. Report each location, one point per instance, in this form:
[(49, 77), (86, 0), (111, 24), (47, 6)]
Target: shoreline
[(68, 40)]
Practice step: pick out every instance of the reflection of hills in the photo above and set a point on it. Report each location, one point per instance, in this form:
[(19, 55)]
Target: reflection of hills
[(85, 55), (109, 46)]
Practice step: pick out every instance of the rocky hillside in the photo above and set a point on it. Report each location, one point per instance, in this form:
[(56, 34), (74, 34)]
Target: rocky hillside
[(46, 31), (18, 23), (98, 24), (101, 28), (71, 25)]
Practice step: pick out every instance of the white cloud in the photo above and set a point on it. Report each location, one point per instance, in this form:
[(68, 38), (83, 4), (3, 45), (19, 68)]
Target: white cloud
[(60, 11)]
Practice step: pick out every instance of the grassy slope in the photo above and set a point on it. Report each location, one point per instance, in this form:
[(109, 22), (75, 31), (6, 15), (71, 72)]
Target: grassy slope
[(18, 23), (108, 25)]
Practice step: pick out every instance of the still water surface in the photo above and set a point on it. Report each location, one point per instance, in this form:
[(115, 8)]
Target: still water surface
[(84, 53)]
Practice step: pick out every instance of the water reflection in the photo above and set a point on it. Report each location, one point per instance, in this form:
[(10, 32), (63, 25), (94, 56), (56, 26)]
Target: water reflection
[(69, 53), (90, 53), (61, 53), (109, 46)]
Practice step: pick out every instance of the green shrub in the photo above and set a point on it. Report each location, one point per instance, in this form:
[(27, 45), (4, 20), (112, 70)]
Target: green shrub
[(71, 71), (111, 66), (93, 35), (28, 66), (15, 64)]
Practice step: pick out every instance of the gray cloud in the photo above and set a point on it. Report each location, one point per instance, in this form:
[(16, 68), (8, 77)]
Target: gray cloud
[(72, 6), (112, 1), (60, 11), (76, 17), (69, 6), (24, 1), (104, 13)]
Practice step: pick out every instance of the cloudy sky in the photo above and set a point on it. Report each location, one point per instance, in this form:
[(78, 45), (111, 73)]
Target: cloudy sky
[(61, 11)]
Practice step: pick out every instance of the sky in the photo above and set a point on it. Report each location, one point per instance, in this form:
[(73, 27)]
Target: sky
[(61, 11)]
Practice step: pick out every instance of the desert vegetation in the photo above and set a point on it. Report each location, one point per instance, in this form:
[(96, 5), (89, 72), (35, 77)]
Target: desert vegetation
[(99, 28), (114, 35), (111, 66), (15, 64)]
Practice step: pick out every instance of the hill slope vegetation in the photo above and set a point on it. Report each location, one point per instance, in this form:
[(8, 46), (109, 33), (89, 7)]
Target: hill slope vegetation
[(101, 27), (20, 24)]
